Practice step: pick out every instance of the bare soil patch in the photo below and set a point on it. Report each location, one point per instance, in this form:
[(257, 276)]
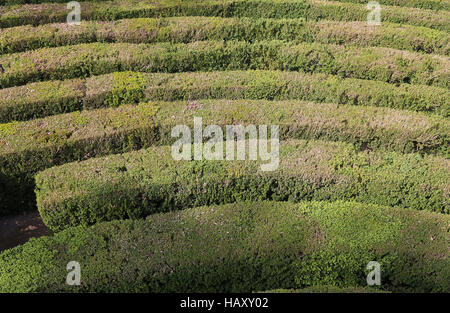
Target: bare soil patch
[(18, 229)]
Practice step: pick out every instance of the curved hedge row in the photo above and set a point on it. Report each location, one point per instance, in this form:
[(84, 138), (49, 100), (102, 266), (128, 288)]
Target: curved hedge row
[(422, 4), (140, 183), (388, 65), (329, 289), (240, 248), (54, 97), (16, 2), (189, 29), (307, 9), (42, 99), (27, 147)]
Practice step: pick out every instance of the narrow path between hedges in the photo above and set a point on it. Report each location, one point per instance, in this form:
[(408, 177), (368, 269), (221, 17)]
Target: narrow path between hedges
[(18, 229)]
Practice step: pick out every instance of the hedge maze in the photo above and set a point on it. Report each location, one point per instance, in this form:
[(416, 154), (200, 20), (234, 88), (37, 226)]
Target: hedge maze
[(88, 112)]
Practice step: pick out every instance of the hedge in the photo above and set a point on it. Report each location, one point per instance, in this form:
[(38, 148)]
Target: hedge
[(54, 97), (383, 64), (27, 147), (307, 9), (189, 29), (329, 289), (422, 4), (15, 2), (41, 99), (148, 181), (240, 248)]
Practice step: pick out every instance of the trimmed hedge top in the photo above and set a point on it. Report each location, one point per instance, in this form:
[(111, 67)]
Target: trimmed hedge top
[(422, 4), (110, 76), (28, 147), (143, 182), (240, 248), (307, 9), (54, 97), (49, 98), (384, 64), (329, 289), (375, 127), (189, 29)]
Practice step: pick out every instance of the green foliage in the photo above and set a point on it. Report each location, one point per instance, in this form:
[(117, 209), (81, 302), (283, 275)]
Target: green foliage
[(15, 2), (306, 9), (35, 145), (136, 184), (422, 4), (127, 88), (388, 65), (8, 129), (104, 156), (329, 289), (50, 98), (38, 144), (241, 248), (190, 29)]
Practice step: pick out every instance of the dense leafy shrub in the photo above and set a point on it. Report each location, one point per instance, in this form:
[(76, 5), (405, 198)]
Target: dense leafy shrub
[(190, 29), (329, 289), (383, 64), (306, 9), (15, 2), (240, 248), (27, 147), (423, 4), (140, 183), (41, 99), (389, 164), (54, 97), (126, 88)]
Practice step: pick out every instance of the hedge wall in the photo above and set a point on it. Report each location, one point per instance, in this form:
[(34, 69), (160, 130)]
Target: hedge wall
[(329, 289), (41, 99), (54, 97), (422, 4), (143, 182), (240, 248), (35, 145), (15, 2), (27, 147), (189, 29), (383, 64), (307, 9)]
